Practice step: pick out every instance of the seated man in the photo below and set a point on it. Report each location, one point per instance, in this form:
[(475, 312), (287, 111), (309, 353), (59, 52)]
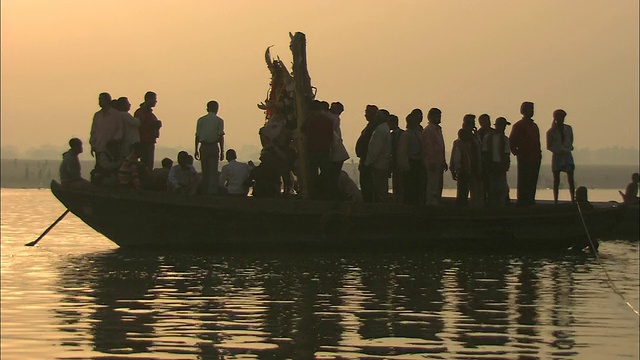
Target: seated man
[(183, 178), (70, 173), (107, 165), (265, 179), (347, 188), (132, 172), (630, 195), (234, 175), (160, 175)]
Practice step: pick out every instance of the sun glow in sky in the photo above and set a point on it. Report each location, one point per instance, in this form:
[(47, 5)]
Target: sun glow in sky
[(460, 56)]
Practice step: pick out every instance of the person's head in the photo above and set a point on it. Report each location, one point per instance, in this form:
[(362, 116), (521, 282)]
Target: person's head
[(122, 104), (336, 108), (76, 145), (231, 155), (113, 147), (167, 163), (501, 124), (324, 106), (212, 106), (150, 99), (635, 177), (189, 159), (382, 116), (469, 122), (526, 109), (434, 116), (104, 100), (582, 194), (393, 122), (137, 149), (558, 116), (414, 118), (370, 112), (183, 158), (484, 120)]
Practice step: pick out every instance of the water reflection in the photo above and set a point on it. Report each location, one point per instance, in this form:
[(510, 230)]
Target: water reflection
[(300, 306)]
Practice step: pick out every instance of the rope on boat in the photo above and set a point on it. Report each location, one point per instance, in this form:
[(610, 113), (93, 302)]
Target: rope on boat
[(595, 252)]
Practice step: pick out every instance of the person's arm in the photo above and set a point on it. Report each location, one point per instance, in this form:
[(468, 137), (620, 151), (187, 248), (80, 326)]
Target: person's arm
[(224, 176), (374, 148), (221, 142), (172, 182), (92, 137), (513, 139), (569, 138), (196, 154)]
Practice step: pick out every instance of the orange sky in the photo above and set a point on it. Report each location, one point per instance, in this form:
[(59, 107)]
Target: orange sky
[(461, 56)]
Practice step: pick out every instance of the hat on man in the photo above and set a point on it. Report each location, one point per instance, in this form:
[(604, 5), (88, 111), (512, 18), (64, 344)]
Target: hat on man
[(502, 121)]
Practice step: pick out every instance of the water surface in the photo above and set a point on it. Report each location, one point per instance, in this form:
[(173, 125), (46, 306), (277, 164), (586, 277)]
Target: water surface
[(77, 296)]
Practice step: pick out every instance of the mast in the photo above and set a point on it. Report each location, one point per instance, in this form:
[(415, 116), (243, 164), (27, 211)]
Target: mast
[(303, 94)]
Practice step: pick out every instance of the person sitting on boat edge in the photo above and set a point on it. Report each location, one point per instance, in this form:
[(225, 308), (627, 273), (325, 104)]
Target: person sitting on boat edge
[(234, 176), (631, 192), (133, 173), (70, 171), (160, 175), (107, 165), (183, 177)]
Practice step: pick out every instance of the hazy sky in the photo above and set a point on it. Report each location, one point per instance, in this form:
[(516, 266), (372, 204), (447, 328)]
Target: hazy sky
[(461, 56)]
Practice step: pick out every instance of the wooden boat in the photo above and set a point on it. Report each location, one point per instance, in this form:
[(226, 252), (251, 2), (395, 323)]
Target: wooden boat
[(151, 219)]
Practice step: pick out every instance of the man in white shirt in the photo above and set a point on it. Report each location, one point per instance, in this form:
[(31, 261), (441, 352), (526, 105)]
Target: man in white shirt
[(210, 137), (106, 125), (183, 178), (234, 175)]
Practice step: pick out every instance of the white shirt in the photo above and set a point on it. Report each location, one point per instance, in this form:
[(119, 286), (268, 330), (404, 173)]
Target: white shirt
[(105, 127), (209, 128), (181, 177), (491, 142), (131, 132), (555, 143), (379, 154), (233, 175)]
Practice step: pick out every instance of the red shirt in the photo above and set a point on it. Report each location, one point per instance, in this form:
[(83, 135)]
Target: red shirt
[(149, 124), (525, 141), (319, 133)]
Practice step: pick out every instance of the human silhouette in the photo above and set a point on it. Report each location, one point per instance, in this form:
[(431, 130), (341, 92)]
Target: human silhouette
[(560, 143)]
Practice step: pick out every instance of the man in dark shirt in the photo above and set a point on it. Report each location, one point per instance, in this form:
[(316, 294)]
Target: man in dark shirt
[(524, 141), (362, 147), (149, 128), (319, 141), (70, 173)]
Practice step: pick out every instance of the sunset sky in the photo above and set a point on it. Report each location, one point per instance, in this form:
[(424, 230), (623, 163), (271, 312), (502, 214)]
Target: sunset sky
[(462, 56)]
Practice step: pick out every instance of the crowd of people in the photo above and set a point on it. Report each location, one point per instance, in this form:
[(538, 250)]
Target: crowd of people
[(413, 158)]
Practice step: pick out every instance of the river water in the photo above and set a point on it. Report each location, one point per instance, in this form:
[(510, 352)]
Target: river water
[(77, 296)]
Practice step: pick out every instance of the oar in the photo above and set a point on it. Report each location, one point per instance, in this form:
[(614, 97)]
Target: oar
[(48, 229)]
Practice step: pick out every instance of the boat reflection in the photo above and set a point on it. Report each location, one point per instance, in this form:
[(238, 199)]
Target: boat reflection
[(306, 306)]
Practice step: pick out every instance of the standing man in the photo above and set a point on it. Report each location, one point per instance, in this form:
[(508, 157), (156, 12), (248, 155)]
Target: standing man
[(433, 155), (379, 156), (362, 147), (149, 128), (106, 125), (525, 145), (496, 153), (210, 136), (560, 143)]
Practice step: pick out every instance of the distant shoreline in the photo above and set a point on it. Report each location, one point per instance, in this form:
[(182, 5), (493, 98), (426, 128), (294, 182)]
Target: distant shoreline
[(37, 174)]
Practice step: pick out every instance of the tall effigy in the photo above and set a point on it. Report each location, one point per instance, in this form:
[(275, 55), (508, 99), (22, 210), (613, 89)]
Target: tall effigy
[(286, 106)]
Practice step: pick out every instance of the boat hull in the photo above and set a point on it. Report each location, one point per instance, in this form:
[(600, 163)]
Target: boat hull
[(135, 219)]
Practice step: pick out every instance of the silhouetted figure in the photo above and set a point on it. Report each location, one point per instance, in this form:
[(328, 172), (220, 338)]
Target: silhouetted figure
[(234, 175), (560, 143), (347, 188), (485, 128), (339, 153), (130, 126), (434, 158), (379, 156), (631, 192), (496, 159), (183, 178), (362, 147), (265, 179), (106, 125), (210, 146), (161, 175), (149, 128), (399, 160), (474, 147), (319, 140), (411, 144), (70, 172), (107, 165), (525, 145), (465, 167)]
